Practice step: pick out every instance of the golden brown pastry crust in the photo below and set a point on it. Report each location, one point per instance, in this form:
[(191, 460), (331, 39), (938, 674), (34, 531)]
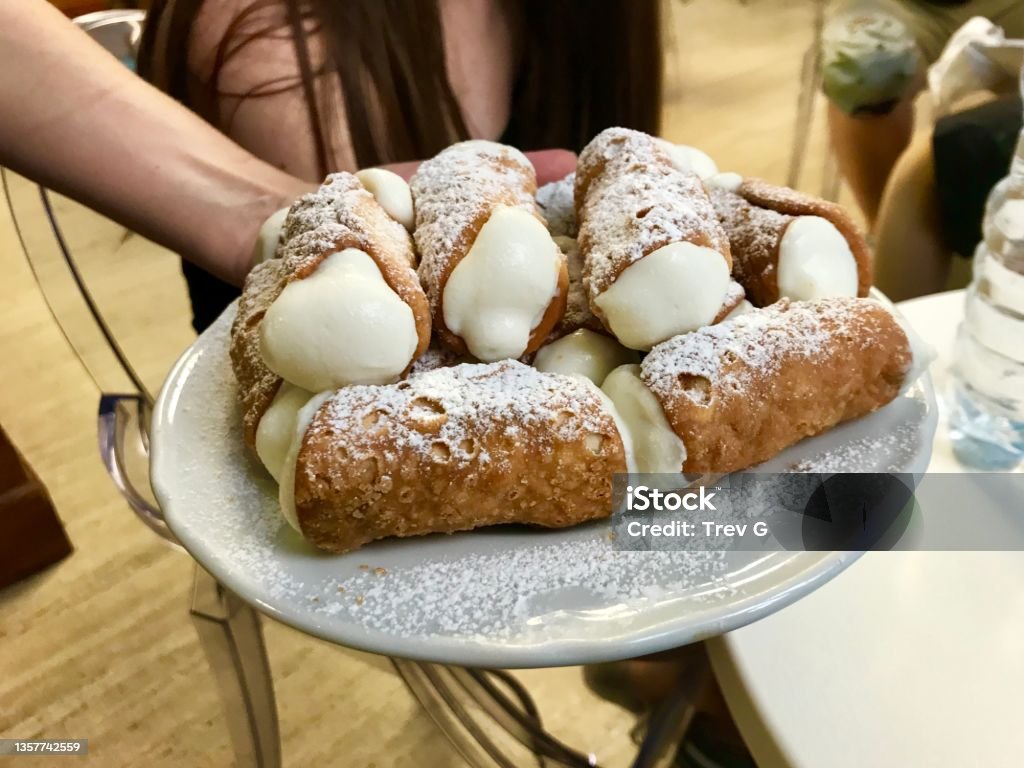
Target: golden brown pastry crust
[(754, 237), (791, 203), (733, 298), (740, 392), (257, 384), (577, 308), (455, 193), (630, 201), (454, 449)]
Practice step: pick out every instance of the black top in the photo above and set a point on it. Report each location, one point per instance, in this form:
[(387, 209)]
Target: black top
[(972, 151)]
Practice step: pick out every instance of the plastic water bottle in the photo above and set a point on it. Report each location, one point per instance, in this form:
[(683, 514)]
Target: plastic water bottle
[(987, 404)]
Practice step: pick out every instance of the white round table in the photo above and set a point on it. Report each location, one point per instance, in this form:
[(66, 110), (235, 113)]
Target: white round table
[(906, 659)]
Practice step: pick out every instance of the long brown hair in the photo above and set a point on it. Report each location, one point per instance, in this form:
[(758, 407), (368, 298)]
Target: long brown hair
[(584, 65)]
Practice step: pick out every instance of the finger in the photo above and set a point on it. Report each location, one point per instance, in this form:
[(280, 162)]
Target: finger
[(552, 164)]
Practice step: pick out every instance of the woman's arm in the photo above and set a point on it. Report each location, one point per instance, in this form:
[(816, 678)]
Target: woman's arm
[(75, 119)]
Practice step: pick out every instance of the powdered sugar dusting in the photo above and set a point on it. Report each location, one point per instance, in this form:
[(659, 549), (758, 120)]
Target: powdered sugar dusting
[(502, 593), (759, 340), (899, 445), (341, 211), (635, 201), (473, 598), (508, 397), (453, 190), (753, 233), (557, 203), (734, 294), (435, 357)]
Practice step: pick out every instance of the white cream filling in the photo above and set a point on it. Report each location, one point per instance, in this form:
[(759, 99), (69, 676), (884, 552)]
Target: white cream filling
[(499, 292), (815, 261), (656, 448), (341, 325), (740, 309), (691, 159), (727, 180), (392, 192), (275, 430), (584, 353), (677, 288), (269, 237), (286, 483)]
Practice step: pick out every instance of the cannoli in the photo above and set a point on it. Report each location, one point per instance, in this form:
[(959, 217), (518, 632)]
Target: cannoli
[(656, 261), (786, 244), (449, 450), (348, 308), (556, 201), (495, 279), (739, 392)]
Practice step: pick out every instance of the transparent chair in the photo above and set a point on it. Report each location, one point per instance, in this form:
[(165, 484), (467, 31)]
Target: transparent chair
[(810, 86), (489, 716)]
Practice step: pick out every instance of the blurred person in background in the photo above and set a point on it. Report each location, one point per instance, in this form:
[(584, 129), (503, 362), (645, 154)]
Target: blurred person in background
[(874, 53), (929, 222)]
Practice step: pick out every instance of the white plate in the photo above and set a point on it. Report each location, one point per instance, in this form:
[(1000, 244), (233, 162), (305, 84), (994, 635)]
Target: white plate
[(498, 597)]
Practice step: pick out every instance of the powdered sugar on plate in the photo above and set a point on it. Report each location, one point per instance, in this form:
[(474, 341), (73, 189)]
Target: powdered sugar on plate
[(504, 596), (862, 455)]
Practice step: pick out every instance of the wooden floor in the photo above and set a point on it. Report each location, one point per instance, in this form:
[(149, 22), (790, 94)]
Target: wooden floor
[(100, 646)]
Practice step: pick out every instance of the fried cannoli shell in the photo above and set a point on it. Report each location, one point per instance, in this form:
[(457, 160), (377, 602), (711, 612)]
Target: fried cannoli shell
[(454, 449), (739, 392), (733, 298), (257, 384), (577, 307)]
